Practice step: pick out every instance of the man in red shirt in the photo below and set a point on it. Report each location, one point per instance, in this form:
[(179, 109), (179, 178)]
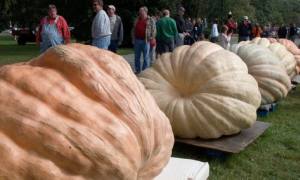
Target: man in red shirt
[(53, 30), (231, 24), (144, 31)]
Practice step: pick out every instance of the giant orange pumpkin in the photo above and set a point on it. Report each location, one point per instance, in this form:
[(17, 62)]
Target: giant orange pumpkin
[(77, 112)]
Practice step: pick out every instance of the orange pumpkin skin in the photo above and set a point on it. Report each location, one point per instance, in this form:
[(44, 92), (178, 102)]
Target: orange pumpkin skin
[(78, 112)]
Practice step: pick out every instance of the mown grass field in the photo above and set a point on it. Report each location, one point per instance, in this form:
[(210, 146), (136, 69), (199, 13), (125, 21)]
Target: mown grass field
[(10, 52), (274, 155)]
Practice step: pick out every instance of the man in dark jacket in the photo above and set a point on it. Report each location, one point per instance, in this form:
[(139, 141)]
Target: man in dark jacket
[(245, 29), (181, 28), (116, 27), (282, 31), (293, 32)]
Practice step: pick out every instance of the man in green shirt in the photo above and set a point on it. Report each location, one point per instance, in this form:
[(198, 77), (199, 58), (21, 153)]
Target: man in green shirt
[(166, 33)]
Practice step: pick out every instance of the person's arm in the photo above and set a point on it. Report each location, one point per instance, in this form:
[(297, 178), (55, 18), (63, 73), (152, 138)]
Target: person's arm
[(174, 28), (228, 38), (153, 28), (65, 30)]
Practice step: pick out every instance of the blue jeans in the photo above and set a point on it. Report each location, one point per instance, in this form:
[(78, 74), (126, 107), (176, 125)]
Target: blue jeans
[(113, 47), (141, 46), (101, 42)]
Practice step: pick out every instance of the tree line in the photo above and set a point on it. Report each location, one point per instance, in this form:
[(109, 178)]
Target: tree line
[(79, 12)]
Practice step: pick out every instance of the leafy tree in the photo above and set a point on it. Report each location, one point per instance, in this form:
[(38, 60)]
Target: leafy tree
[(79, 13)]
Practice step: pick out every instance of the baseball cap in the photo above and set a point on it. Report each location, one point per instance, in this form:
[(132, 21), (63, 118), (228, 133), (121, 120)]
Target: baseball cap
[(51, 6), (112, 7), (181, 9), (245, 17)]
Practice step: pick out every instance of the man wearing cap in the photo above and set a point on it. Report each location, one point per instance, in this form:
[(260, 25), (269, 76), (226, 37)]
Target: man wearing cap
[(231, 24), (116, 27), (53, 30), (101, 33), (181, 28), (245, 29)]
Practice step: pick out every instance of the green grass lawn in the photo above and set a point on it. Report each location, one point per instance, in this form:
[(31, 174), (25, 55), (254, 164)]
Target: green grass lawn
[(274, 155), (10, 52)]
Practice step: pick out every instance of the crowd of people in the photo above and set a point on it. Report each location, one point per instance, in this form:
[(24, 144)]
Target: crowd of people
[(154, 35)]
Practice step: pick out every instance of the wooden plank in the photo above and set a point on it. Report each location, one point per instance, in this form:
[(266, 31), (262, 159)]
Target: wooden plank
[(231, 144)]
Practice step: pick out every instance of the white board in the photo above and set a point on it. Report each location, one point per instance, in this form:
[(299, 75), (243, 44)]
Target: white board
[(184, 169)]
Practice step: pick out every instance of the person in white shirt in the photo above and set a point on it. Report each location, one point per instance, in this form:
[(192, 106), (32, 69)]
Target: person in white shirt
[(214, 32), (101, 32), (225, 37)]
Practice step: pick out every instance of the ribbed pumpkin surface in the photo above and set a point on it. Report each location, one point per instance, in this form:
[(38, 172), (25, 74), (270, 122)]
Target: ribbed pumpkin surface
[(273, 81), (286, 58), (77, 112), (291, 46), (205, 91)]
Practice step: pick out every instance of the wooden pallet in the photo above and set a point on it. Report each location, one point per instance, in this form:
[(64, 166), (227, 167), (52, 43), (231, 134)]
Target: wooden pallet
[(230, 144)]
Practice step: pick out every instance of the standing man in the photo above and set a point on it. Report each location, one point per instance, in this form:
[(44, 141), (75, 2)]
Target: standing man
[(181, 28), (101, 33), (293, 32), (214, 31), (116, 27), (144, 31), (166, 33), (245, 30), (53, 30), (282, 31), (231, 24)]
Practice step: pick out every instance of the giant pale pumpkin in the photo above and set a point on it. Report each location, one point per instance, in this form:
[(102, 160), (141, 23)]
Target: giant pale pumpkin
[(205, 91), (77, 112), (273, 81), (292, 47), (286, 58)]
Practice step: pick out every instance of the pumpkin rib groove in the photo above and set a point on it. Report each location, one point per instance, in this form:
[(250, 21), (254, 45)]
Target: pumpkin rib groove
[(6, 145), (209, 124), (213, 97), (59, 110), (39, 152), (70, 76), (48, 114), (78, 148), (219, 114), (171, 112), (203, 125)]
